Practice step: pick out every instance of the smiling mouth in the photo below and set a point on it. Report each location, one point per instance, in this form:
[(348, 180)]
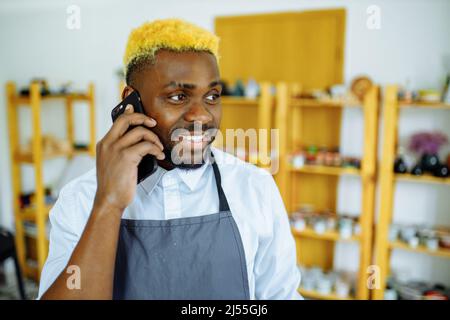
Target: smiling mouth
[(194, 138), (194, 141)]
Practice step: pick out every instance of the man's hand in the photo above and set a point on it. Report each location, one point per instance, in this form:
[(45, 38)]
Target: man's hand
[(118, 155)]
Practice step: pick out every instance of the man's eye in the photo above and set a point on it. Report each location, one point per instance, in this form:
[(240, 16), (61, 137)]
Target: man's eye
[(213, 97), (178, 97)]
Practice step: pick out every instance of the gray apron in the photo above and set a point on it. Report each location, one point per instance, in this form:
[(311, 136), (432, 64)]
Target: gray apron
[(196, 258)]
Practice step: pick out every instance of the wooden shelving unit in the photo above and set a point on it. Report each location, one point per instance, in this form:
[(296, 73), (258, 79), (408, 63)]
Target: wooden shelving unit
[(39, 210), (318, 122), (388, 181), (248, 114)]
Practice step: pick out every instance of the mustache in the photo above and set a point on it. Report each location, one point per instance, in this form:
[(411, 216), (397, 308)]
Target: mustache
[(210, 129), (194, 127)]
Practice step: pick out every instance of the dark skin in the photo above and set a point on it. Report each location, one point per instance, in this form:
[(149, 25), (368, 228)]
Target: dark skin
[(178, 90)]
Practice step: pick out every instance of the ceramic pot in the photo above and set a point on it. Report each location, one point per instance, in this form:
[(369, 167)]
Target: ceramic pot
[(399, 165), (430, 162)]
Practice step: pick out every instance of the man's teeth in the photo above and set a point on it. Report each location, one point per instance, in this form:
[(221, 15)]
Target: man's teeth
[(193, 138)]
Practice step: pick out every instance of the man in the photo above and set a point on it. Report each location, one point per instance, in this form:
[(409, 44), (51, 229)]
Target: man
[(210, 229)]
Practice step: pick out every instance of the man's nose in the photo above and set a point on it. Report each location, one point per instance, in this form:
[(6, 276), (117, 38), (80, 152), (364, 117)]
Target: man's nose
[(198, 113)]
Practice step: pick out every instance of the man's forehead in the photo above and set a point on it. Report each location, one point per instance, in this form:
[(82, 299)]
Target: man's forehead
[(198, 68), (168, 54), (191, 85)]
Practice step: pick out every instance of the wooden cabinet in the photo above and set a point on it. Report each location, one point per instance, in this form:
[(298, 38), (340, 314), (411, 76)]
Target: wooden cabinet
[(305, 47)]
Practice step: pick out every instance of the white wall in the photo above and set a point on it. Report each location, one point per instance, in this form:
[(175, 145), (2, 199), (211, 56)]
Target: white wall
[(411, 43)]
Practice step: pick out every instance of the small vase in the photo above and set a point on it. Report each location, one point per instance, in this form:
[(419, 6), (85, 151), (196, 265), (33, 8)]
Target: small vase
[(417, 170), (399, 165), (430, 162), (441, 171)]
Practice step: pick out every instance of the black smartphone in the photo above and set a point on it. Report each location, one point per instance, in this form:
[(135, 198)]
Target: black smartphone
[(148, 164)]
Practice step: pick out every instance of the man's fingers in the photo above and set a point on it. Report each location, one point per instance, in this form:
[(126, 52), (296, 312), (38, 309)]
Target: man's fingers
[(123, 122), (129, 109), (136, 135), (138, 151)]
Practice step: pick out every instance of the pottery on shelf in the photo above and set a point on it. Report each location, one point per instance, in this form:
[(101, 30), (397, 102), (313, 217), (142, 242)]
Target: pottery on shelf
[(441, 171), (430, 162), (400, 165), (417, 170)]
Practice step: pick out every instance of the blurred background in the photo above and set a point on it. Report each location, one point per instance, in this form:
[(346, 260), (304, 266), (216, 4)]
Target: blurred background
[(358, 91)]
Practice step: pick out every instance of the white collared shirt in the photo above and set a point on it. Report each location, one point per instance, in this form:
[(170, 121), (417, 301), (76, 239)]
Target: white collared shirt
[(254, 201)]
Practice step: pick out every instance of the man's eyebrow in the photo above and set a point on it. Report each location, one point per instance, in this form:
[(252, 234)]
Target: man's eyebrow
[(180, 85), (189, 85), (215, 83)]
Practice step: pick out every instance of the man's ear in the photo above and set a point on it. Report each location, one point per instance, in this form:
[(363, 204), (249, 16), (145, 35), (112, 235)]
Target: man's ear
[(126, 91)]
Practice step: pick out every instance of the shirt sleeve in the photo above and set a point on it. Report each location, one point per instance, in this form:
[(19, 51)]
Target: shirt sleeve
[(63, 237), (277, 276)]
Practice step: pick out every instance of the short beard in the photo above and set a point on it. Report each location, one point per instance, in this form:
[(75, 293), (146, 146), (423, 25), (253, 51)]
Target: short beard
[(206, 154), (187, 158)]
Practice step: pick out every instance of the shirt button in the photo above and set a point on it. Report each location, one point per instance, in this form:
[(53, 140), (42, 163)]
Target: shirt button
[(168, 182)]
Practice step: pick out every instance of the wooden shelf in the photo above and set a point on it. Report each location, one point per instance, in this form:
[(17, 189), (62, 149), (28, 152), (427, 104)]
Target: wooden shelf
[(424, 105), (426, 178), (28, 157), (29, 214), (31, 270), (316, 295), (22, 157), (324, 103), (26, 100), (327, 170), (440, 252), (327, 235), (239, 101)]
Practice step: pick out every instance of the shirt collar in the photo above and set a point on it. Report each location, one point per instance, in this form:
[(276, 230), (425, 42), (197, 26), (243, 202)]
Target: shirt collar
[(190, 177), (150, 183)]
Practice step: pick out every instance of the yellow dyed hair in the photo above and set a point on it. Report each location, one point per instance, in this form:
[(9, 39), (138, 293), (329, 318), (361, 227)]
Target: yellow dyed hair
[(172, 34)]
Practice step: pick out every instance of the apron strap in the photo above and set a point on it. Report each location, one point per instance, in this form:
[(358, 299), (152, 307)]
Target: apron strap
[(223, 202)]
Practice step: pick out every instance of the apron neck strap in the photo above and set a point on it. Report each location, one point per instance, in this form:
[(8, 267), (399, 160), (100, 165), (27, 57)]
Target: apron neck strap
[(223, 203)]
